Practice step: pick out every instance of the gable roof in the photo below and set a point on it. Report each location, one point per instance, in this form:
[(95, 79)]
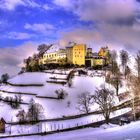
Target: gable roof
[(53, 48), (2, 120)]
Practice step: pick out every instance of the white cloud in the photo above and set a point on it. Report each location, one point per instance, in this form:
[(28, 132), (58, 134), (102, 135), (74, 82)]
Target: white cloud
[(31, 3), (81, 35), (64, 3), (43, 28), (12, 4), (19, 35), (47, 7)]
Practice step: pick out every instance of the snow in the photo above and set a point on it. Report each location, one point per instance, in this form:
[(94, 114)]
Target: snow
[(29, 78), (8, 113), (126, 132), (34, 78), (80, 84), (54, 108), (53, 48), (54, 125), (58, 125), (105, 132), (106, 126)]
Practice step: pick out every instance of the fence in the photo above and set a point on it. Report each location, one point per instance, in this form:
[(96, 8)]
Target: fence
[(59, 126)]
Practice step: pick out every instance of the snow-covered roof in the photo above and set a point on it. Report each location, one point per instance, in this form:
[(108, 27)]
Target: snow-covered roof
[(53, 48), (71, 44)]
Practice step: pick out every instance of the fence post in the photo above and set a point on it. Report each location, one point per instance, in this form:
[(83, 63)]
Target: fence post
[(54, 126), (38, 128), (58, 126), (51, 127), (62, 126), (77, 124)]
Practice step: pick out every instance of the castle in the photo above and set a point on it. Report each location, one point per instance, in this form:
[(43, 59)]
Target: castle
[(75, 54)]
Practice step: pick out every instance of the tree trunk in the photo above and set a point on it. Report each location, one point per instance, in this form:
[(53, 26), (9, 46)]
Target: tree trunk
[(107, 119), (117, 90), (133, 109)]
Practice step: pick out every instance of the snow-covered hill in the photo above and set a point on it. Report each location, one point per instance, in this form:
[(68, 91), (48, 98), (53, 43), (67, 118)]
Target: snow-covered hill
[(28, 85), (52, 107)]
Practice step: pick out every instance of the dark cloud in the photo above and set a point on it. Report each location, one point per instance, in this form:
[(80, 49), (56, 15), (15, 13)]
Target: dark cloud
[(123, 22), (117, 22), (11, 59), (99, 10)]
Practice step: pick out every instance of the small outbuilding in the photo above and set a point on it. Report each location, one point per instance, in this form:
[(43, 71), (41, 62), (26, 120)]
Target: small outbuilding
[(2, 125)]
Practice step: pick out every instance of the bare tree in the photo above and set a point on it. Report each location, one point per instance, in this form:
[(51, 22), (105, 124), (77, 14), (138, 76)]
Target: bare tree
[(115, 69), (27, 63), (61, 93), (113, 57), (104, 98), (128, 72), (84, 102), (116, 81), (124, 56), (16, 101), (134, 86), (35, 111), (70, 82), (43, 48), (4, 78), (21, 116), (137, 59)]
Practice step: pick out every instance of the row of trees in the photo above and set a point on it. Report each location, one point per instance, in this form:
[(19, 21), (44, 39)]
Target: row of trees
[(130, 75), (34, 113), (32, 63), (119, 73), (134, 86), (14, 102), (115, 78), (103, 97), (4, 78)]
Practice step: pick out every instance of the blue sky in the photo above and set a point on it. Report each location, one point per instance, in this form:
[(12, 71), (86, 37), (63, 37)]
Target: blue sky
[(39, 22), (24, 24)]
